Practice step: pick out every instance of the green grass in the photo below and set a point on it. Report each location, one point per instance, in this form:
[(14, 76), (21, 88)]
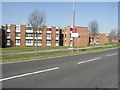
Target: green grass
[(9, 57), (27, 49), (6, 57)]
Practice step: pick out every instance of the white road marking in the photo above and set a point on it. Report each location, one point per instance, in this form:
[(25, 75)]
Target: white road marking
[(112, 54), (27, 74), (89, 60)]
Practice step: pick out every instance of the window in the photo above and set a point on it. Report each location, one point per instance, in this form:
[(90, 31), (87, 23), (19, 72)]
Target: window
[(48, 29), (39, 35), (29, 35), (56, 29), (28, 41), (17, 27), (70, 41), (17, 41), (70, 29), (48, 35), (28, 28), (8, 34), (39, 41), (57, 41), (65, 35), (49, 41), (17, 34), (8, 27), (8, 41), (57, 35)]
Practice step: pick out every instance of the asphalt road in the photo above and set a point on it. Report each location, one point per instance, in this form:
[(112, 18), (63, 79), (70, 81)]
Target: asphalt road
[(93, 70)]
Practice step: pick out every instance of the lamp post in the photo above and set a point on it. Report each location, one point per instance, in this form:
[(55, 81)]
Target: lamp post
[(73, 22)]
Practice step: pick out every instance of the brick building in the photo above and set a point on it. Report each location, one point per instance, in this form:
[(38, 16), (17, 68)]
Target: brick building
[(83, 40), (111, 39), (22, 35), (100, 39)]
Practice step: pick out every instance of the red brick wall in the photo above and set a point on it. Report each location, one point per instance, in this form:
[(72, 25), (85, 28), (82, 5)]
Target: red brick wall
[(44, 31), (12, 35), (22, 37), (101, 39), (53, 36), (84, 37)]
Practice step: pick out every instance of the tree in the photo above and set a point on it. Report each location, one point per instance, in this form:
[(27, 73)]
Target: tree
[(93, 29), (113, 34), (37, 19)]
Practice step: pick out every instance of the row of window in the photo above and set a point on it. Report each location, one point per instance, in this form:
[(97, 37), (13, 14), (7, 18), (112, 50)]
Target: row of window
[(31, 41), (31, 35), (29, 28)]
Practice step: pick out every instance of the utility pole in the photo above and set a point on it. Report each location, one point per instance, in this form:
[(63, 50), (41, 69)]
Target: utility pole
[(73, 22)]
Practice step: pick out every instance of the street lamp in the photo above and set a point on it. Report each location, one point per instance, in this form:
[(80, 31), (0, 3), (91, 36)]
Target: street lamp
[(73, 22)]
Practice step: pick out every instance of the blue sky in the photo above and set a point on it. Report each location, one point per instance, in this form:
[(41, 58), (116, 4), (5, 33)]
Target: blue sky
[(60, 13)]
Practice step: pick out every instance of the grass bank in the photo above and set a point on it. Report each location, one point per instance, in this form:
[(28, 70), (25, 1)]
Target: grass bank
[(9, 57), (27, 49)]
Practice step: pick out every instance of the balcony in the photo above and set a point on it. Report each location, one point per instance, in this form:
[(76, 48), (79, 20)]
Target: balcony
[(17, 44), (48, 31), (8, 30), (29, 44), (17, 38), (17, 30), (29, 31), (48, 44), (29, 38)]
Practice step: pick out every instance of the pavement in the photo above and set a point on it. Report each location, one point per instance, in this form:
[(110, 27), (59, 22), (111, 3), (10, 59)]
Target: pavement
[(89, 70)]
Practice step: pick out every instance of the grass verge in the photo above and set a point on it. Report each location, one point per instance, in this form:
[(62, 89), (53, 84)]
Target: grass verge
[(9, 57), (27, 49)]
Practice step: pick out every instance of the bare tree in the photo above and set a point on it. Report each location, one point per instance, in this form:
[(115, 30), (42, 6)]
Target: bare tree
[(37, 19), (93, 29), (113, 35)]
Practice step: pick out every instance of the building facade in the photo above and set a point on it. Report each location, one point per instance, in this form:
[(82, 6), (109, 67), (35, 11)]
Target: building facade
[(111, 39), (22, 35), (83, 40), (100, 39)]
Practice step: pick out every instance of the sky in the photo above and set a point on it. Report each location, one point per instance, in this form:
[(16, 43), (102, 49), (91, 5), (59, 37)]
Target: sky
[(60, 13)]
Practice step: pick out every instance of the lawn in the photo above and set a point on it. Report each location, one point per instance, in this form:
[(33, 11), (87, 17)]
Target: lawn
[(9, 57), (27, 49)]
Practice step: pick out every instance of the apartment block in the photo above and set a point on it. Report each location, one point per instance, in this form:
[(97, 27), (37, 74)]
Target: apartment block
[(83, 40), (100, 39), (111, 39), (22, 35)]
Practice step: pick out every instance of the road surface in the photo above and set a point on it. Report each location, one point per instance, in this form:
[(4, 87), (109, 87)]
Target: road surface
[(91, 70)]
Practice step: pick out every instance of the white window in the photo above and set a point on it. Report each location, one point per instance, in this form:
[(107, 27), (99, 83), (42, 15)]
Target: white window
[(48, 29), (39, 41), (8, 27), (8, 41), (57, 41), (17, 41), (28, 28), (28, 41), (8, 34), (17, 27), (17, 34), (39, 35), (29, 35), (49, 41), (48, 35), (57, 35)]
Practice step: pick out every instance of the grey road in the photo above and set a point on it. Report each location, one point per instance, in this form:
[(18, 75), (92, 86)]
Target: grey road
[(93, 70)]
